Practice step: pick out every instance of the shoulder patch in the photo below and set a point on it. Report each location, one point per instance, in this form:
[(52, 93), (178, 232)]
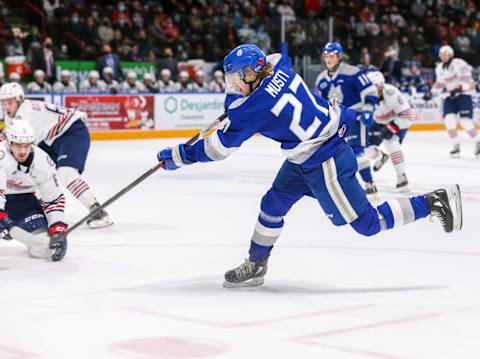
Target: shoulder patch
[(237, 103), (346, 69), (390, 91), (274, 59), (2, 154), (50, 161)]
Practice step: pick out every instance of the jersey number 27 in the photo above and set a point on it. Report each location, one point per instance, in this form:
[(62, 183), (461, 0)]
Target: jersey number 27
[(290, 98)]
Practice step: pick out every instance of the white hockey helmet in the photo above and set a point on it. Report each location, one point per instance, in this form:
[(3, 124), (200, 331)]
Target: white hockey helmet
[(165, 72), (218, 74), (65, 73), (148, 76), (38, 73), (447, 49), (183, 75), (200, 73), (12, 90), (93, 74), (376, 78), (107, 70), (20, 131), (14, 77), (131, 75)]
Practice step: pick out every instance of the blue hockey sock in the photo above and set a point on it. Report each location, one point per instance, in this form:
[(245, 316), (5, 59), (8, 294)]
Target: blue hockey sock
[(404, 210), (366, 174), (258, 252)]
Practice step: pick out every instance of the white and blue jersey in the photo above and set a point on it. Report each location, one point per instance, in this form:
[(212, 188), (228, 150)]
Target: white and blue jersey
[(284, 109), (349, 86)]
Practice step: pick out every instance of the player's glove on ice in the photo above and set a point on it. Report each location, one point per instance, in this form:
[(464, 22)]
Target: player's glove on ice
[(5, 225), (366, 118), (57, 243), (173, 157)]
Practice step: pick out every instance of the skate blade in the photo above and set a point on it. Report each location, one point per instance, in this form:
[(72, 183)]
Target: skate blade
[(455, 156), (455, 200), (251, 283), (403, 189), (100, 224)]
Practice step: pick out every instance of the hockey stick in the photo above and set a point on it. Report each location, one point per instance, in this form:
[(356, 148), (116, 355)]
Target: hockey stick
[(137, 181)]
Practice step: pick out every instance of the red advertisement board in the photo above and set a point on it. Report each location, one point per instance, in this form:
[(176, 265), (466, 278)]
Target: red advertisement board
[(115, 112)]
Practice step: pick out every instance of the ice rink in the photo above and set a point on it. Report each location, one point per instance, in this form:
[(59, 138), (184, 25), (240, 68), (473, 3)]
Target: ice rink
[(151, 285)]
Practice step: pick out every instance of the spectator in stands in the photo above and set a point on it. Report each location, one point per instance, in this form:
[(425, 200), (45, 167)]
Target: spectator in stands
[(39, 83), (43, 58), (111, 60), (405, 50), (14, 77), (167, 62), (412, 80), (105, 31), (183, 84), (131, 84), (218, 82), (93, 84), (365, 62), (50, 6), (199, 85), (391, 67), (112, 85), (165, 84), (65, 85), (14, 43), (150, 83)]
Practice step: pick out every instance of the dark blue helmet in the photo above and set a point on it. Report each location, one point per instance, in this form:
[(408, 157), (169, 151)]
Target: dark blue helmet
[(333, 48)]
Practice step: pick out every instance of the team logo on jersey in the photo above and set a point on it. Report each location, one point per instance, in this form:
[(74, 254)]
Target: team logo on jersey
[(342, 130), (335, 94), (17, 185), (323, 85), (239, 52), (2, 154)]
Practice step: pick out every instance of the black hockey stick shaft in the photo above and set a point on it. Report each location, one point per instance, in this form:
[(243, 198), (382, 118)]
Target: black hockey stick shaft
[(139, 179)]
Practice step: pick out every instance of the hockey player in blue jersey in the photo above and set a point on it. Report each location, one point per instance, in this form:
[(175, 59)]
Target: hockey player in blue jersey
[(277, 103), (350, 86)]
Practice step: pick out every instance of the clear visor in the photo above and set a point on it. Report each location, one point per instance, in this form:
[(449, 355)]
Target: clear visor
[(232, 83)]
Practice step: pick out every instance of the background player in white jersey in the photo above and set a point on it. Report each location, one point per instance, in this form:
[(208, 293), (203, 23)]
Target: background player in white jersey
[(62, 133), (27, 170), (454, 83), (393, 117)]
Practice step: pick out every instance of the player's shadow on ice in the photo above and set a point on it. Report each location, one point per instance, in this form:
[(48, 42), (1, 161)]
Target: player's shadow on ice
[(208, 287)]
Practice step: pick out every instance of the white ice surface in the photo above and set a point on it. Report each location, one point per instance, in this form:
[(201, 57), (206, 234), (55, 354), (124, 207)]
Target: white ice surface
[(151, 285)]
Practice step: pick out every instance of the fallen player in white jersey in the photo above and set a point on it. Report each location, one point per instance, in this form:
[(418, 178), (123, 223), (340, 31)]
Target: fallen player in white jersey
[(62, 133), (27, 170), (393, 116)]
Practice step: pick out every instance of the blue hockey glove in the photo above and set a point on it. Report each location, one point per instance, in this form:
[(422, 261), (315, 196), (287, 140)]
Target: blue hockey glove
[(366, 118), (57, 243), (5, 225), (173, 157)]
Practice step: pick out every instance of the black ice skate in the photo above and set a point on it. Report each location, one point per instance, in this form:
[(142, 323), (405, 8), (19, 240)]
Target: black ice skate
[(379, 164), (455, 152), (247, 274), (370, 189), (477, 150), (446, 205), (402, 183), (100, 220)]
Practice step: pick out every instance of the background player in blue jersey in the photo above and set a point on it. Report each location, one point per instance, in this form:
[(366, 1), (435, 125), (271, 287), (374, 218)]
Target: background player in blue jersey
[(277, 103), (350, 86)]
